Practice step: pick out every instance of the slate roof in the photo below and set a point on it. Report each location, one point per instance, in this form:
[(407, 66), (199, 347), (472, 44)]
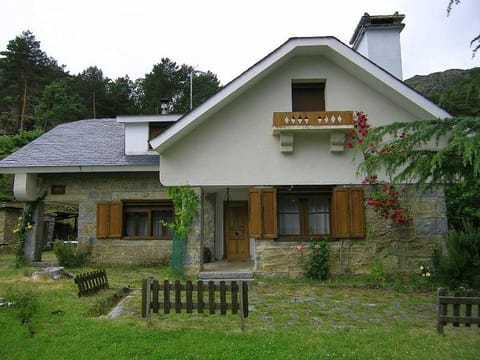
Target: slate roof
[(93, 142)]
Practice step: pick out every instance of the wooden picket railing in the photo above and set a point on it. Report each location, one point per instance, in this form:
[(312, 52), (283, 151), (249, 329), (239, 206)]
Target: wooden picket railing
[(91, 282), (459, 313), (201, 297)]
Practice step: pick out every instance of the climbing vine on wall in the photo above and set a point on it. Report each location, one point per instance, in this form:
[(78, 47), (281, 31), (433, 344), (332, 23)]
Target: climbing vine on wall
[(385, 198), (185, 203), (24, 225)]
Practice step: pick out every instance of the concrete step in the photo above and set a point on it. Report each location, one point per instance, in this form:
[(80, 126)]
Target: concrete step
[(226, 276)]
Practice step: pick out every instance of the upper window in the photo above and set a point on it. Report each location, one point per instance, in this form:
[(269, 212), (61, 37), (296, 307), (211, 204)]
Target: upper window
[(308, 96)]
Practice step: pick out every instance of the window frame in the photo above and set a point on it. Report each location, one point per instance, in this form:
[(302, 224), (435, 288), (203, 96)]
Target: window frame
[(147, 207), (303, 195), (303, 90), (112, 218), (347, 213)]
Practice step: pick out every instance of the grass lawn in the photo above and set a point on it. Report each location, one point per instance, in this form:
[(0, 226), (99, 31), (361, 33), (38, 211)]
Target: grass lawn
[(288, 320)]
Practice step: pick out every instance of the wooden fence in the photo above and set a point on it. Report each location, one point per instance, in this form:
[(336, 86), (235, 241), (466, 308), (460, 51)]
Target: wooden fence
[(459, 313), (209, 297), (91, 282)]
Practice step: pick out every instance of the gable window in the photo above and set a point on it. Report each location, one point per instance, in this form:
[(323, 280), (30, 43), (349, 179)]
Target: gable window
[(134, 219), (301, 214), (308, 96)]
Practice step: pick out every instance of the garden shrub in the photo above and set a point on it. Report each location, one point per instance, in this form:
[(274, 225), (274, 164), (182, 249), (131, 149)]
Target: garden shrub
[(460, 267), (24, 306), (70, 256), (316, 265)]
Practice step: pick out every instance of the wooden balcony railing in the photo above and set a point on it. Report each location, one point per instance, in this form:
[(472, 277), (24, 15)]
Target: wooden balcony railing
[(313, 120)]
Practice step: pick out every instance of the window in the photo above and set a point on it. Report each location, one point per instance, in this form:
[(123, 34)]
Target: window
[(134, 219), (308, 96), (304, 214), (335, 212)]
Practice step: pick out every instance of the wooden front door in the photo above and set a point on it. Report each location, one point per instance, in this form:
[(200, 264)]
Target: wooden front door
[(236, 230)]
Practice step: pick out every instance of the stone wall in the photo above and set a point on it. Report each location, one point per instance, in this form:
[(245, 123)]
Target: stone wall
[(85, 190), (209, 201), (397, 248), (194, 247), (8, 222)]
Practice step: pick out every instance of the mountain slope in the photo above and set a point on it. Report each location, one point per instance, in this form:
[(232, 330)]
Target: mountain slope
[(457, 91)]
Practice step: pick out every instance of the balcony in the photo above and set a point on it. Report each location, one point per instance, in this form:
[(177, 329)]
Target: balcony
[(335, 123), (313, 121)]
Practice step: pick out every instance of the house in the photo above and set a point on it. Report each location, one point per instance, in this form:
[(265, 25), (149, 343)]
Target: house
[(267, 158)]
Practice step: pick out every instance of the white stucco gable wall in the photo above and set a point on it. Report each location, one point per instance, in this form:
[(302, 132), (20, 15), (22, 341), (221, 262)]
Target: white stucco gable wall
[(235, 145)]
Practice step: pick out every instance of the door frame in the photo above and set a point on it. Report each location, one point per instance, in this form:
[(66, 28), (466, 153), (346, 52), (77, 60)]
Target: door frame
[(225, 225)]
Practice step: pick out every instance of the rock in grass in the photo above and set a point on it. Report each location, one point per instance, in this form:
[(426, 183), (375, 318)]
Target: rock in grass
[(55, 273)]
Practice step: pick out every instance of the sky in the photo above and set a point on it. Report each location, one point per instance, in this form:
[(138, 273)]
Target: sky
[(128, 37)]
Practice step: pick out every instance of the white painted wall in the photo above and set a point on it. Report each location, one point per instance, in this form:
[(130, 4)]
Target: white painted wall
[(25, 187), (235, 146), (136, 139)]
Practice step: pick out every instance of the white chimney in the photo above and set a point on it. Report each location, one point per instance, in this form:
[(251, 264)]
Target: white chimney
[(377, 37)]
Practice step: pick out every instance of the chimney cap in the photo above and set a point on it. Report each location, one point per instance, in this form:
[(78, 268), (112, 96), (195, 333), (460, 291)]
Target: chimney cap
[(376, 21)]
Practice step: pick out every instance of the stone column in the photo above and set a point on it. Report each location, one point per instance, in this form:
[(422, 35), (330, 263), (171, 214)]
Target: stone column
[(32, 250), (194, 246)]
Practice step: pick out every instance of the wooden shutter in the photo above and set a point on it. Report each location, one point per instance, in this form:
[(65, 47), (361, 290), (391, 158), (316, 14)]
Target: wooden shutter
[(255, 213), (269, 208), (357, 212), (115, 220), (341, 213), (102, 219), (348, 212), (262, 213), (109, 220)]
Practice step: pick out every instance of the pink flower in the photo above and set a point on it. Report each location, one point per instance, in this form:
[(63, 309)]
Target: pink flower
[(299, 247)]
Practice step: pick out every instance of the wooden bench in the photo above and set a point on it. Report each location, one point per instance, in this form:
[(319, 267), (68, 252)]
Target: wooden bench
[(90, 283), (455, 315), (204, 300)]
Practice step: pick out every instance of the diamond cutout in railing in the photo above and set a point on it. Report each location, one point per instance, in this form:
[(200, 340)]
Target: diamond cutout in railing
[(286, 120), (339, 119), (300, 120)]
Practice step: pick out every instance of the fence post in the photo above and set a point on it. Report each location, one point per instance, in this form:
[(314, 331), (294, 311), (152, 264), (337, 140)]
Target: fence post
[(441, 310), (200, 303), (242, 310), (148, 297)]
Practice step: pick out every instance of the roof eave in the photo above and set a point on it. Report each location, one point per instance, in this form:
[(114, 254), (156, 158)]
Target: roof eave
[(195, 117), (77, 169)]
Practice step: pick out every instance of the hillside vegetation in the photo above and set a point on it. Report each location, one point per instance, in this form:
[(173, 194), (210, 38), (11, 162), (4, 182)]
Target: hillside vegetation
[(457, 91)]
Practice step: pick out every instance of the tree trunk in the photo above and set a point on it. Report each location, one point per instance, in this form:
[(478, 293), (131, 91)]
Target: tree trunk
[(93, 104), (24, 105)]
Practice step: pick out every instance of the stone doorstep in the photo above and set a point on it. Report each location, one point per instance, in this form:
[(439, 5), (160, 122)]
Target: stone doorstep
[(226, 276)]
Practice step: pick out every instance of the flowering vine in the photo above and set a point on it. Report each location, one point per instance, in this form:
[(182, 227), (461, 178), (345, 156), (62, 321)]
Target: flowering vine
[(385, 199), (24, 225), (20, 233)]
